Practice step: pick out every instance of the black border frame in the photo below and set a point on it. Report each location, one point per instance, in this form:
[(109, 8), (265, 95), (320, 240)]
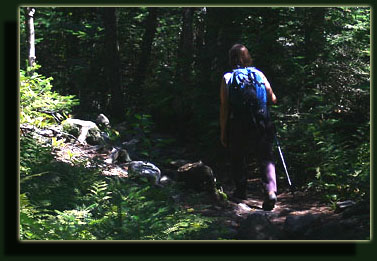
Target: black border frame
[(11, 247)]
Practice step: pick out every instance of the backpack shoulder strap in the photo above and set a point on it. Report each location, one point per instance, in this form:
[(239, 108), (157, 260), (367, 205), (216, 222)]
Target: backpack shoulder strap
[(227, 77), (260, 76), (256, 74)]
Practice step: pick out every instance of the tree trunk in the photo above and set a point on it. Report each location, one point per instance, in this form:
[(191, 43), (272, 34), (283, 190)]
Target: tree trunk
[(314, 33), (112, 62), (29, 13), (199, 35), (222, 33), (146, 50), (185, 52), (183, 94)]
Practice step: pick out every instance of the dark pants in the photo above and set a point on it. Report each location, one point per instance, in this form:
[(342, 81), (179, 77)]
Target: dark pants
[(244, 141)]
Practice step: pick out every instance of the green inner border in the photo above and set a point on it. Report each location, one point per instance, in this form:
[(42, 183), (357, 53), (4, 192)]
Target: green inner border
[(9, 13)]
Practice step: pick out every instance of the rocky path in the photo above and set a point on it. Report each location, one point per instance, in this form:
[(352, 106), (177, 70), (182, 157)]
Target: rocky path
[(296, 216)]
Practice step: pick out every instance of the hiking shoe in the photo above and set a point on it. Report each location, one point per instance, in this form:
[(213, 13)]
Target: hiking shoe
[(270, 201)]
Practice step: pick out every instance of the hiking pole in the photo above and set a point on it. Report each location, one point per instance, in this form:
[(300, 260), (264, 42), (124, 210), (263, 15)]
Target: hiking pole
[(282, 160)]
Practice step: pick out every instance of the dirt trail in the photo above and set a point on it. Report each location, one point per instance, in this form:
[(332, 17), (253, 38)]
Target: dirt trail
[(296, 216)]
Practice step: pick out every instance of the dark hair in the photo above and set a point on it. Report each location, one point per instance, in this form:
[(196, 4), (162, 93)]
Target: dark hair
[(239, 56)]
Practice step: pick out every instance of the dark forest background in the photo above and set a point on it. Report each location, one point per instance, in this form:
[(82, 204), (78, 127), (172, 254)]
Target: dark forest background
[(162, 68)]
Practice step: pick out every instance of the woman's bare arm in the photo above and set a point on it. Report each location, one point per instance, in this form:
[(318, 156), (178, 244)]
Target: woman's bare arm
[(270, 94)]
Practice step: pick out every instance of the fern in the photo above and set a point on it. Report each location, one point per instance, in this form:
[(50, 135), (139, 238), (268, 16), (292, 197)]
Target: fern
[(38, 103)]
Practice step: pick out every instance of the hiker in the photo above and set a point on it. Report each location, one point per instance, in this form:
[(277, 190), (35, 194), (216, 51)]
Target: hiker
[(241, 136)]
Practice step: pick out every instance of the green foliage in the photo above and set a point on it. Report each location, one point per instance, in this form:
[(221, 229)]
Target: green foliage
[(141, 126), (68, 201), (43, 194), (29, 161), (149, 213), (113, 209), (113, 134), (327, 150), (38, 102), (67, 225), (321, 78)]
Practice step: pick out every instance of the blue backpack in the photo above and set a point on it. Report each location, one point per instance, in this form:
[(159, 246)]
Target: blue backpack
[(248, 97)]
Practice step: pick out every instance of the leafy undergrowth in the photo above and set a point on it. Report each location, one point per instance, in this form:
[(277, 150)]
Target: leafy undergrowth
[(65, 195), (70, 201), (327, 149)]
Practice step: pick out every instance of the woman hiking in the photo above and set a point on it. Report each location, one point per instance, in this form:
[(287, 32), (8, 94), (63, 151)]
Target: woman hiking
[(242, 137)]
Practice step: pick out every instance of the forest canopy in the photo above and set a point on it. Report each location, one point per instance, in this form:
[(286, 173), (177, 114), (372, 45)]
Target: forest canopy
[(167, 54)]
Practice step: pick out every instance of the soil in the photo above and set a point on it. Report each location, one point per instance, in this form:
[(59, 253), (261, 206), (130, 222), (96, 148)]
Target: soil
[(313, 218)]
